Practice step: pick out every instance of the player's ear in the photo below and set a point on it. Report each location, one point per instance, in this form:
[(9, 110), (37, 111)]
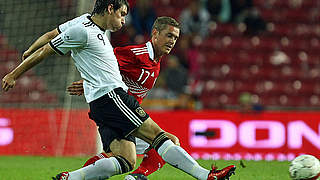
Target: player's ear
[(155, 32), (110, 9)]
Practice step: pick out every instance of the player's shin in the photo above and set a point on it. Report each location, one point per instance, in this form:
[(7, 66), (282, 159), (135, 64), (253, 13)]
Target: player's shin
[(178, 157), (102, 169)]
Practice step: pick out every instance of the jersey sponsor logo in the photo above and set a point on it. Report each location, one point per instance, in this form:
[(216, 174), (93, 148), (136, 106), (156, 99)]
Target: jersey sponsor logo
[(141, 112)]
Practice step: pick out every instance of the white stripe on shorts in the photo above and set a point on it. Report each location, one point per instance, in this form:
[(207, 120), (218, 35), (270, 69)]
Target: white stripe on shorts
[(132, 114), (124, 109)]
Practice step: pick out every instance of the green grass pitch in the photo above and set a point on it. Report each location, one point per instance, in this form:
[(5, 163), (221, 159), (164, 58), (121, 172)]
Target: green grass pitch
[(43, 168)]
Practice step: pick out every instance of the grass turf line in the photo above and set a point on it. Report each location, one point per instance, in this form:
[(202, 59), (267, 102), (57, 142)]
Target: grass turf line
[(43, 168)]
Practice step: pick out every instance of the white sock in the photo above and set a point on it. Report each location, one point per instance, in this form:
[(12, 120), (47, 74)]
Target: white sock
[(179, 158), (101, 169)]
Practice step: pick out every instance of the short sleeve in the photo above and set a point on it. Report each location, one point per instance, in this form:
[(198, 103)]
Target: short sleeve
[(73, 37), (124, 55), (64, 26), (70, 23)]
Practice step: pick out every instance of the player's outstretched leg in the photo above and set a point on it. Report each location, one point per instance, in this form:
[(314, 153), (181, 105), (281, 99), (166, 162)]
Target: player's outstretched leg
[(151, 162), (175, 155), (179, 158), (101, 169)]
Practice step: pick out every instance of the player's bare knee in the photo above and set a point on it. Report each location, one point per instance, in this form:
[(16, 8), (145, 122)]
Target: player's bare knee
[(125, 153)]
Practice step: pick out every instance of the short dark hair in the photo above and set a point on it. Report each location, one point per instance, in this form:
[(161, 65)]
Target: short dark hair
[(162, 22), (101, 5)]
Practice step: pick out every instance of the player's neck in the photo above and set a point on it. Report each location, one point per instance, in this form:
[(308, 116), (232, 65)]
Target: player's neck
[(99, 21), (157, 56)]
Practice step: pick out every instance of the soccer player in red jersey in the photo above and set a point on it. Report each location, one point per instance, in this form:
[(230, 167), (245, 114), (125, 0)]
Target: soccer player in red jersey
[(140, 66)]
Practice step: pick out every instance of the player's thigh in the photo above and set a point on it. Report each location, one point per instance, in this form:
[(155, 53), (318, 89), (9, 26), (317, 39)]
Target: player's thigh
[(118, 111), (148, 131), (124, 148)]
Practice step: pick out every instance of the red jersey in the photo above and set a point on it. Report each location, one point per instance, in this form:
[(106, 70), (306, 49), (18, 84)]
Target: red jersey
[(138, 69)]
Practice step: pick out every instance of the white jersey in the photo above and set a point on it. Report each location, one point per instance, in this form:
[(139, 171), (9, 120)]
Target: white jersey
[(93, 55)]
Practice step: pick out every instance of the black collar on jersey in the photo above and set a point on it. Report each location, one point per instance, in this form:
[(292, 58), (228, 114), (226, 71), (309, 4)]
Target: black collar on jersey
[(89, 17)]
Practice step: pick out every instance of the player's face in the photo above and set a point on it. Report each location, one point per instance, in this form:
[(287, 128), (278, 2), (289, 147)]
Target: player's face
[(118, 18), (167, 38)]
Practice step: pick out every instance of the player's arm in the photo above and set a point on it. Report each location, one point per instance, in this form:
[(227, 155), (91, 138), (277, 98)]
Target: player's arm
[(44, 39), (9, 80), (73, 37)]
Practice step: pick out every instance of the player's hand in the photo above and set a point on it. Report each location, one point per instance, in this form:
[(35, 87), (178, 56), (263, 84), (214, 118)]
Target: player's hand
[(8, 82), (76, 88), (26, 54), (173, 138)]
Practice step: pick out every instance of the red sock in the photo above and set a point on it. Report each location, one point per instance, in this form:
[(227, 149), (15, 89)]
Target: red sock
[(96, 158), (151, 162)]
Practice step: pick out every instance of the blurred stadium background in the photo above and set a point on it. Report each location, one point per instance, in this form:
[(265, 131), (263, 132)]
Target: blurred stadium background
[(237, 60)]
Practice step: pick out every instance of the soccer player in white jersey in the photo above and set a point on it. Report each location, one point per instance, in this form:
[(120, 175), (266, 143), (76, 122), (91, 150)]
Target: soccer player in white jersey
[(140, 67), (118, 115)]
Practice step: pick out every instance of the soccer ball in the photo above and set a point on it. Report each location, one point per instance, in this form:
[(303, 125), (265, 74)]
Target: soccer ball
[(305, 167), (135, 177)]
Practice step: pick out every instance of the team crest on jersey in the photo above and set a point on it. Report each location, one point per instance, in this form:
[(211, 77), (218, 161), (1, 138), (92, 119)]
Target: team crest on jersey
[(141, 112)]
